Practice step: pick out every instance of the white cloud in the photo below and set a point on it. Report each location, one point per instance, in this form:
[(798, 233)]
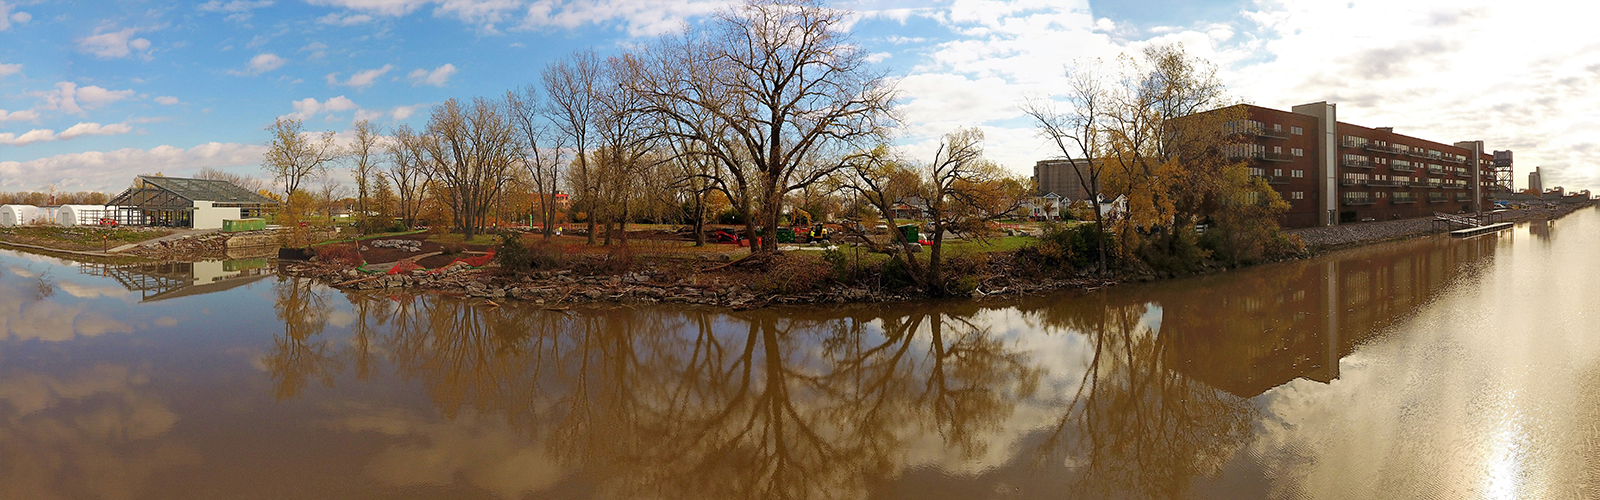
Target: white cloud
[(47, 135), (259, 64), (237, 10), (110, 170), (1439, 70), (67, 97), (9, 69), (306, 108), (361, 79), (233, 6), (381, 7), (5, 16), (403, 112), (167, 100), (318, 50), (640, 18), (22, 17), (19, 115), (438, 77), (114, 45), (94, 97), (337, 19)]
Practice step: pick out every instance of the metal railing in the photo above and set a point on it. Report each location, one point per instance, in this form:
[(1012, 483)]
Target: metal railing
[(1357, 163)]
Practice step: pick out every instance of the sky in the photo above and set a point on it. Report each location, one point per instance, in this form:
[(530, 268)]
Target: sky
[(95, 92)]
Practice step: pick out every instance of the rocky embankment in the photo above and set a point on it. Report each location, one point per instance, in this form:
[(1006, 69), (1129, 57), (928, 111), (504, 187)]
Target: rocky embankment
[(208, 246), (560, 288), (1343, 235)]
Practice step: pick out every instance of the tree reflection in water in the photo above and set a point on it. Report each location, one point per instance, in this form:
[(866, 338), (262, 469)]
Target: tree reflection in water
[(803, 403), (1137, 427), (302, 352), (686, 402)]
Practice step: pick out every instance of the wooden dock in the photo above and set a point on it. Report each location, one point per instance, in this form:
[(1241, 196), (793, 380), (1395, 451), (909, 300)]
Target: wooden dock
[(1474, 231)]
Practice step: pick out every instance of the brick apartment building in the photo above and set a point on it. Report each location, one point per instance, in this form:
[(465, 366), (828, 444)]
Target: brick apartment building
[(1058, 176), (1333, 172)]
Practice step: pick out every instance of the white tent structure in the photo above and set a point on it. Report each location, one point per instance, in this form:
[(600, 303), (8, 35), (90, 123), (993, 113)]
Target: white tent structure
[(80, 215), (22, 215)]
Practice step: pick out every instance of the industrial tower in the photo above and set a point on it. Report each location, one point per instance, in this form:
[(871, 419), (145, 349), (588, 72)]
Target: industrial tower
[(1502, 172)]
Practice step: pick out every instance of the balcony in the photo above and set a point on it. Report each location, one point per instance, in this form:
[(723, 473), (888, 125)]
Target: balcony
[(1381, 149), (1356, 163), (1278, 157), (1354, 182), (1402, 167), (1436, 199), (1398, 200), (1435, 171), (1276, 180), (1463, 197), (1359, 201), (1257, 129)]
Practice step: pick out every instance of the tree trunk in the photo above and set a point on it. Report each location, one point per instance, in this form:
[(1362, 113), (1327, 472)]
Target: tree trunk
[(700, 220), (935, 281), (592, 216)]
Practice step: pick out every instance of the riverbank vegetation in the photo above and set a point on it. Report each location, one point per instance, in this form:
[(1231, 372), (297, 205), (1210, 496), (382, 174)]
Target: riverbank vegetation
[(770, 120)]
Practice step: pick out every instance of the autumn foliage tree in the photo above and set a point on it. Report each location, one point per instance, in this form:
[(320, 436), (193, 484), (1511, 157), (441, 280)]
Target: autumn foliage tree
[(1167, 148)]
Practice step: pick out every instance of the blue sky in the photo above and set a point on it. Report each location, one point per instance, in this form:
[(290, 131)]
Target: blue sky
[(96, 92)]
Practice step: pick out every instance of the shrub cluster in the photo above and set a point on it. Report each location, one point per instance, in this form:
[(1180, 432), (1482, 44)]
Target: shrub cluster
[(339, 253)]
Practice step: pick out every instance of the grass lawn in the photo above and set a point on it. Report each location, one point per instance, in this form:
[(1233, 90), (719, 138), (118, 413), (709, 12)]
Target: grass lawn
[(1000, 244), (79, 237), (370, 237), (481, 239)]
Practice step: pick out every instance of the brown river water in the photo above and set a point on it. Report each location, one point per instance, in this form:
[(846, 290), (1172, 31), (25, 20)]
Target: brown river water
[(1430, 368)]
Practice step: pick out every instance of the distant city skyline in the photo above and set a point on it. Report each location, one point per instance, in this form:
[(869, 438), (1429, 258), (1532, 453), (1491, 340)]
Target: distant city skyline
[(93, 93)]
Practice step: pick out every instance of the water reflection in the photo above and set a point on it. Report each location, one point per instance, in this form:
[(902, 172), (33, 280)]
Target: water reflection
[(688, 403), (844, 402), (1236, 385), (169, 280)]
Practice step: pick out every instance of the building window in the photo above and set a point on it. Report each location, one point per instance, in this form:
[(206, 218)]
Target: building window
[(1351, 141), (1297, 151), (1277, 127), (1297, 131), (1297, 195), (1297, 174), (1277, 172), (1277, 150)]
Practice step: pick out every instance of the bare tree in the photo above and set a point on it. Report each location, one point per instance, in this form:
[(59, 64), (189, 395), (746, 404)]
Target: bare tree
[(295, 155), (626, 135), (784, 89), (363, 155), (541, 151), (574, 104), (960, 192), (470, 152), (1077, 134), (250, 183), (407, 171)]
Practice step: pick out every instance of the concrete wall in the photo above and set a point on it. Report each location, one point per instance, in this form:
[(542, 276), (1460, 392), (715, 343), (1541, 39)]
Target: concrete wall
[(209, 217)]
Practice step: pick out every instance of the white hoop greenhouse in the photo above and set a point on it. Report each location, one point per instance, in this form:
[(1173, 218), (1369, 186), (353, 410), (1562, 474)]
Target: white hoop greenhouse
[(22, 215)]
